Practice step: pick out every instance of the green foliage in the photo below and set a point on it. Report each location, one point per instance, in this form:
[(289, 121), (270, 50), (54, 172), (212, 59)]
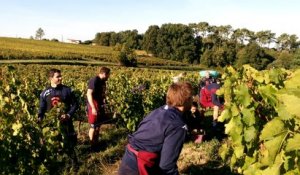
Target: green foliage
[(261, 120), (176, 42), (131, 38), (254, 55), (127, 57), (150, 40)]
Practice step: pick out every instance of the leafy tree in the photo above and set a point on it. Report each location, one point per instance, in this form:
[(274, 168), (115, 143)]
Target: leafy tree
[(287, 42), (54, 40), (242, 36), (254, 55), (176, 42), (265, 38), (114, 38), (39, 34), (127, 57), (131, 38), (224, 32), (150, 40), (201, 29)]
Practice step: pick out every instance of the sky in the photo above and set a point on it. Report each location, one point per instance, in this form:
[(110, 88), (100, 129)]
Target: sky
[(82, 19)]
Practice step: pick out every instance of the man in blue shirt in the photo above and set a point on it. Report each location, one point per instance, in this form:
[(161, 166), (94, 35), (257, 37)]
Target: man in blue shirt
[(155, 147), (53, 95)]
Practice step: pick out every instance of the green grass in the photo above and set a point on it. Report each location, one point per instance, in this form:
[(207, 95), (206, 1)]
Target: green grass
[(195, 159)]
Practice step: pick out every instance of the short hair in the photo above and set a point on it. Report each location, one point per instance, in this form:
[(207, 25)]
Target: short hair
[(179, 94), (52, 72), (195, 104), (104, 70)]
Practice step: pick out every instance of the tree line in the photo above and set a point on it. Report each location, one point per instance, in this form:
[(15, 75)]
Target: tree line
[(213, 46)]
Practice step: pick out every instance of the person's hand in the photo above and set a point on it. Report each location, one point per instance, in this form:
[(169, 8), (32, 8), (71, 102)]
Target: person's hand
[(39, 120), (94, 111), (64, 117)]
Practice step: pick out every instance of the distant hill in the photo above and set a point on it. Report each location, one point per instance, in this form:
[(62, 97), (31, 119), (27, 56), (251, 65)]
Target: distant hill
[(29, 49)]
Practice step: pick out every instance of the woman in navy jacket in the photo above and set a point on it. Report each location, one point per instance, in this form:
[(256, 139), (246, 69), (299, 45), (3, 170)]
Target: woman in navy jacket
[(155, 147)]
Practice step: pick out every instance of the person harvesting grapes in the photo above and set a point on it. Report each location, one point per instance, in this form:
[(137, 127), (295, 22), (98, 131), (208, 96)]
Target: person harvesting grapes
[(155, 147), (96, 103), (54, 95)]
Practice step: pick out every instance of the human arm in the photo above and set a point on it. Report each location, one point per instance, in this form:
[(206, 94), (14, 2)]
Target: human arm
[(42, 107), (215, 100), (171, 149), (90, 101), (73, 104)]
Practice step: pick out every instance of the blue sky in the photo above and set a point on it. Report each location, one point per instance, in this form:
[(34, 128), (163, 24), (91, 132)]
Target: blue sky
[(82, 19)]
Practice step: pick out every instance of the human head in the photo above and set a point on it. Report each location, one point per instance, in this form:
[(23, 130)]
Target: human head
[(104, 73), (180, 95), (55, 77), (194, 107), (207, 74)]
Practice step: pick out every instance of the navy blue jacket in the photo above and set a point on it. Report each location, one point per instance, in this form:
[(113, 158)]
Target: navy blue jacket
[(213, 87), (163, 131), (60, 93)]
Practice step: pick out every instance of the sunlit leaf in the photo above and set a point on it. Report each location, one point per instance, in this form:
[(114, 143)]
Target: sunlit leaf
[(248, 116), (243, 95), (293, 143), (268, 93), (250, 134), (272, 128)]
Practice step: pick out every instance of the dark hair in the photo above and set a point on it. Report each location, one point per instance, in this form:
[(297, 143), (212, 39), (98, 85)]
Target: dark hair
[(52, 72), (104, 70), (179, 94), (195, 104)]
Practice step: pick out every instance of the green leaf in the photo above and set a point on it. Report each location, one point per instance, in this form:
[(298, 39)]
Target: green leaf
[(268, 93), (272, 128), (232, 160), (293, 143), (288, 163), (290, 102), (283, 114), (267, 77), (225, 115), (248, 161), (234, 110), (273, 147), (239, 151), (250, 134), (234, 126), (294, 81), (224, 151), (293, 172), (242, 95), (274, 168), (258, 77), (253, 169), (248, 116)]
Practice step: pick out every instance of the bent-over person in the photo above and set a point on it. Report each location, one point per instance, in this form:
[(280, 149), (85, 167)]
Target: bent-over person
[(155, 147)]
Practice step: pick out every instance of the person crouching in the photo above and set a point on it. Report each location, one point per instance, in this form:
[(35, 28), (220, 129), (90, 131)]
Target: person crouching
[(155, 147)]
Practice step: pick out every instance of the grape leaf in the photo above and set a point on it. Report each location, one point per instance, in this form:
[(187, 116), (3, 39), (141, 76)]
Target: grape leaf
[(272, 128)]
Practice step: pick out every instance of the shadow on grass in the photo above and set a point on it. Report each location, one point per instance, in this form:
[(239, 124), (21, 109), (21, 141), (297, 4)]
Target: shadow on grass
[(110, 147), (211, 168)]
